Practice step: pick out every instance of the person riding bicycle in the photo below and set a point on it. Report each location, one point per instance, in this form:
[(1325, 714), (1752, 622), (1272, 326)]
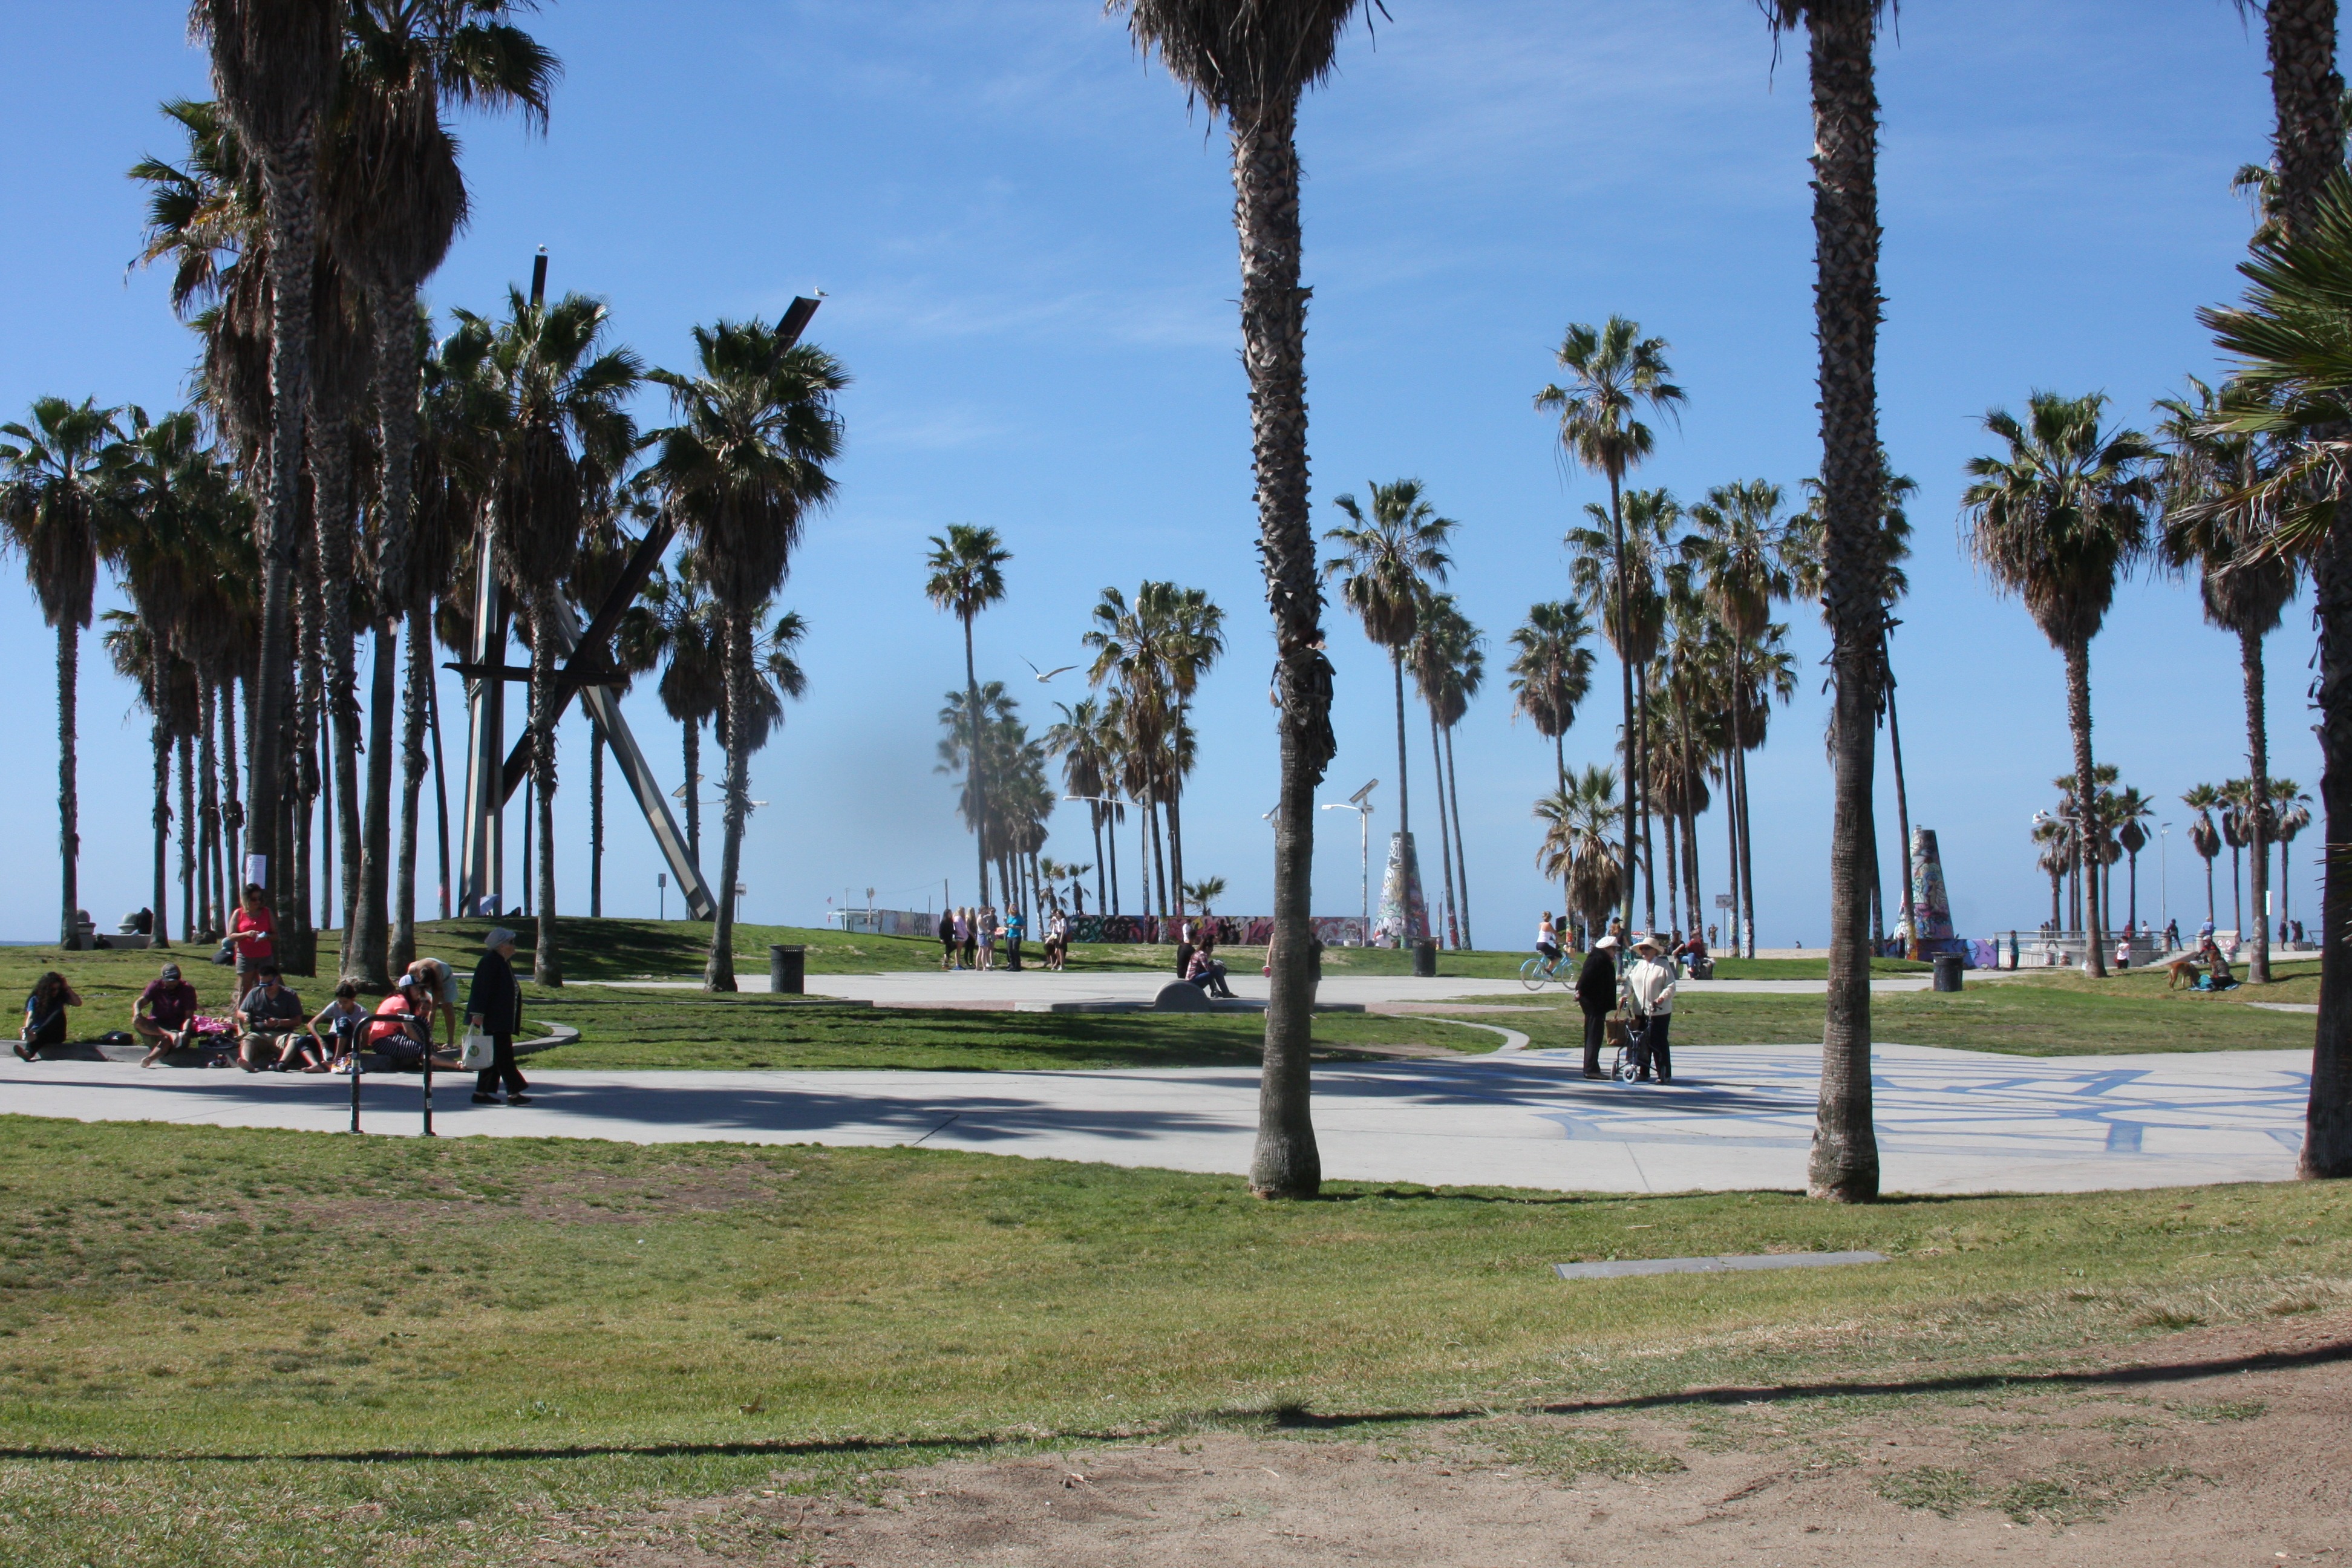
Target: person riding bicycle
[(1547, 939)]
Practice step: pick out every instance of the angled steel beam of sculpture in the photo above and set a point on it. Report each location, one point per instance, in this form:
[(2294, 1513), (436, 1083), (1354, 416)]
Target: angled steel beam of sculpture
[(604, 712), (588, 653)]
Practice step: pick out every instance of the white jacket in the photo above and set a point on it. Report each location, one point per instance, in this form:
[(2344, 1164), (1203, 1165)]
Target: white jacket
[(1649, 987)]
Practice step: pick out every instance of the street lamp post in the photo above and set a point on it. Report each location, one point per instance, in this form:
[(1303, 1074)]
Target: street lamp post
[(1360, 804), (2164, 872)]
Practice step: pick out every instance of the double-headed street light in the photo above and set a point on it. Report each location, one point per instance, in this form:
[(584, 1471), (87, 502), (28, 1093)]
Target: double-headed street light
[(1360, 804)]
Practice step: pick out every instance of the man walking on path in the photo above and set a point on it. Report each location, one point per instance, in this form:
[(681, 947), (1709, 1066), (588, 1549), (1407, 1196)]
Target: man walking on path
[(1596, 992), (1650, 999)]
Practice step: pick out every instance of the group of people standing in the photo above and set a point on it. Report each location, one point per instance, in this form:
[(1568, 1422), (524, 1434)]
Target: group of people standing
[(1644, 988), (272, 1031), (970, 939)]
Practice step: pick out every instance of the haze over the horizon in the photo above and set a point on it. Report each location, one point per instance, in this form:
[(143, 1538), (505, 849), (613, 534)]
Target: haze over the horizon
[(1026, 246)]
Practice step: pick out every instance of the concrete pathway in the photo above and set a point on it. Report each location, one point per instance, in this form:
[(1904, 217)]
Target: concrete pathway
[(1035, 990), (1950, 1122)]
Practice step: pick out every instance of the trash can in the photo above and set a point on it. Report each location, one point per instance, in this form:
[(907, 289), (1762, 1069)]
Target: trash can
[(1948, 972), (787, 969), (1424, 960)]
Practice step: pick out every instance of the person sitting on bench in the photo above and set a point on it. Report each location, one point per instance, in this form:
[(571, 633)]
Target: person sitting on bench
[(163, 1014), (44, 1014)]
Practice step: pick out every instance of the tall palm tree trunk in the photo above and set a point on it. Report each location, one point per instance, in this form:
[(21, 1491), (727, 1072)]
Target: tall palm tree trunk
[(207, 814), (1286, 1162), (415, 691), (233, 818), (1731, 848), (595, 822), (690, 745), (547, 962), (289, 182), (1159, 856), (330, 520), (1176, 841), (2258, 839), (191, 829), (1625, 680), (371, 902), (2131, 881), (720, 973), (1673, 881), (975, 774), (1567, 883), (326, 850), (1449, 937), (308, 702), (1093, 819), (1461, 855), (440, 781), (1649, 802), (1902, 807), (1844, 1161), (159, 696), (2236, 885), (2078, 718), (1747, 853), (68, 793)]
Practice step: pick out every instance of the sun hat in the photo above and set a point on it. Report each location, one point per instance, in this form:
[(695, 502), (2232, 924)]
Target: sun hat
[(1647, 944), (1606, 938), (500, 936)]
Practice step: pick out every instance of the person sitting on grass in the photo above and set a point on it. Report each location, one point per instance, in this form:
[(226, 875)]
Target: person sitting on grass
[(162, 1015), (403, 1026), (44, 1014), (269, 1024), (334, 1033)]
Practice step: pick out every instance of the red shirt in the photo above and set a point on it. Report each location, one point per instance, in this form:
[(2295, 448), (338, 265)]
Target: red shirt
[(385, 1027), (253, 934)]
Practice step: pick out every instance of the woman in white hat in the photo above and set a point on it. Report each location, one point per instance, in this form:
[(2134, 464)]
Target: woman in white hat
[(1650, 997)]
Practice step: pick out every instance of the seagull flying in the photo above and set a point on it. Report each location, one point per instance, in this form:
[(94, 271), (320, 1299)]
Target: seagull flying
[(1046, 675)]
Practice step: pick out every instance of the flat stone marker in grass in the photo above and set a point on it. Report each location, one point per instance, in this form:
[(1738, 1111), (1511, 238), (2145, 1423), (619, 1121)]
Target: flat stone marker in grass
[(1619, 1269)]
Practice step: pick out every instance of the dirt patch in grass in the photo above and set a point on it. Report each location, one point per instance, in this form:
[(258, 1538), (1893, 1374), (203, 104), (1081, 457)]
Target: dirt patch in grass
[(2217, 1446)]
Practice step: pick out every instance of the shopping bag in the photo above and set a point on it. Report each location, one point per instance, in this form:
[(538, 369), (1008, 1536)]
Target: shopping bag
[(478, 1052)]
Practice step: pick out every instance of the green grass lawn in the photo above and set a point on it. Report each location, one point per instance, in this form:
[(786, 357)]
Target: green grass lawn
[(223, 1347), (659, 1032)]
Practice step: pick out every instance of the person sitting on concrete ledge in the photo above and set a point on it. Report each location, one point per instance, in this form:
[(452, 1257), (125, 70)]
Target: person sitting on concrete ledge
[(1209, 974), (44, 1014), (269, 1024), (163, 1013)]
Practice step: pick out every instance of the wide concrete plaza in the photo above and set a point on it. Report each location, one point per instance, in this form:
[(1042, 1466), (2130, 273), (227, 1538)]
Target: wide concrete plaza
[(1948, 1121)]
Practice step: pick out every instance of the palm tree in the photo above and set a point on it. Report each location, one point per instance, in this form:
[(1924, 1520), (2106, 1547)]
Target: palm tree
[(2056, 859), (1737, 548), (1551, 673), (55, 507), (1388, 562), (1192, 643), (1617, 375), (1449, 667), (274, 71), (1204, 892), (2056, 522), (1580, 820), (555, 401), (674, 625), (1617, 567), (145, 661), (2202, 800), (967, 571), (2237, 818), (393, 199), (2290, 814), (2132, 810), (1250, 61), (744, 467), (2289, 333), (2244, 588), (1841, 37), (1089, 753)]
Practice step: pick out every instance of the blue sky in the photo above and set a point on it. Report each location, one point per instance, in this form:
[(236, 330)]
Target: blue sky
[(1026, 246)]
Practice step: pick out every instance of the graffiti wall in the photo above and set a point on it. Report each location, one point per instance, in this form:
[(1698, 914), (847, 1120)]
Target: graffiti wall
[(1237, 930)]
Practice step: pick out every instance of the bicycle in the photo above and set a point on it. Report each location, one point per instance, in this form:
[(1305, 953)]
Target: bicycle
[(1539, 971)]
